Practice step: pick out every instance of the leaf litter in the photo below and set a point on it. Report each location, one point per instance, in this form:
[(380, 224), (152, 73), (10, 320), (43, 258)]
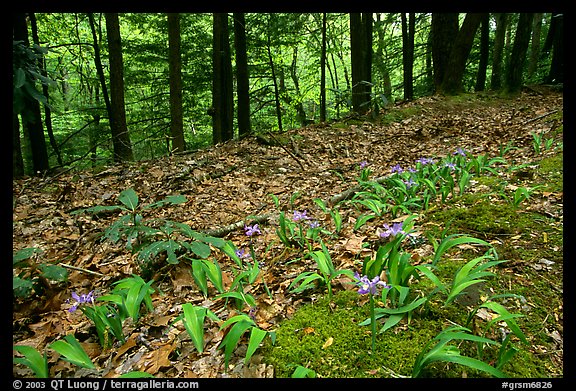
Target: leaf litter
[(225, 184)]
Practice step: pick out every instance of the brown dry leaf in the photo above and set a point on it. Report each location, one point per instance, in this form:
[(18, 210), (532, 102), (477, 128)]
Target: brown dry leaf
[(308, 330), (354, 244), (130, 343), (156, 359)]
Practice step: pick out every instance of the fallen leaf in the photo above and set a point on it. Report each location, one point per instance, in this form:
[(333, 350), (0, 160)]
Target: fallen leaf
[(328, 342)]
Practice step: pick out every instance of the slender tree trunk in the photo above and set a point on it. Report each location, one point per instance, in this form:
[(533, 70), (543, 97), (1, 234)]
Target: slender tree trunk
[(323, 71), (17, 161), (498, 51), (120, 135), (222, 86), (242, 76), (484, 47), (47, 110), (456, 65), (535, 45), (518, 55), (300, 112), (408, 54), (380, 60), (175, 70), (31, 117), (274, 80)]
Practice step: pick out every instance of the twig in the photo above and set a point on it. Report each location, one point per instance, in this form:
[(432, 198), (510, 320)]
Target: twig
[(286, 149), (82, 270), (540, 117)]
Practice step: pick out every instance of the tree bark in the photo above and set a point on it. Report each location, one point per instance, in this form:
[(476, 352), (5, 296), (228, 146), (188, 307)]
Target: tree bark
[(31, 117), (535, 45), (175, 71), (408, 54), (484, 47), (556, 73), (242, 76), (444, 29), (498, 51), (222, 96), (518, 55), (323, 71), (120, 136), (361, 59), (456, 64)]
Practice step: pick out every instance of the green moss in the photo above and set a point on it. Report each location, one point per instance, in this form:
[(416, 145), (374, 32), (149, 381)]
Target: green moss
[(300, 340), (550, 171)]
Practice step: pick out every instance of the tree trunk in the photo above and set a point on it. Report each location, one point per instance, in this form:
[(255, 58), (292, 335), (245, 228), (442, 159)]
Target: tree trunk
[(222, 91), (444, 29), (408, 54), (47, 110), (556, 73), (518, 55), (484, 47), (380, 60), (175, 71), (242, 76), (31, 117), (299, 106), (498, 51), (323, 71), (120, 136), (274, 80), (535, 46), (361, 59), (456, 65), (17, 161)]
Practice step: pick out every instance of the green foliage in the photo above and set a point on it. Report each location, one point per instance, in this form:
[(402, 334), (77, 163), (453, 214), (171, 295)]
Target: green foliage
[(33, 360), (73, 352), (153, 237), (443, 351), (328, 272), (32, 278)]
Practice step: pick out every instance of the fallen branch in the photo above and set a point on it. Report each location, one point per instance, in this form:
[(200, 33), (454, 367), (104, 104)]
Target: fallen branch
[(82, 270), (540, 117), (223, 231), (350, 192)]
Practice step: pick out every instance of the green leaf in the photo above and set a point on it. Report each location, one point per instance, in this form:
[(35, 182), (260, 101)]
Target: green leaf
[(129, 198), (200, 249), (53, 272), (33, 360), (194, 323), (135, 375), (73, 352), (230, 341), (199, 274), (22, 287), (24, 254), (303, 372), (467, 361), (256, 337)]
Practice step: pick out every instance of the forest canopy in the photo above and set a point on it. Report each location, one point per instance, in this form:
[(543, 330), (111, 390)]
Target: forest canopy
[(90, 89)]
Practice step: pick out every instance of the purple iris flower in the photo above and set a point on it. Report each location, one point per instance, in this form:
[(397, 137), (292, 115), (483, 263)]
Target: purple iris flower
[(252, 230), (81, 299), (394, 230), (365, 285), (300, 216), (460, 151), (397, 169)]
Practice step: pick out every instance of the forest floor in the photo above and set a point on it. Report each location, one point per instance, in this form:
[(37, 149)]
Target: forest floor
[(227, 183)]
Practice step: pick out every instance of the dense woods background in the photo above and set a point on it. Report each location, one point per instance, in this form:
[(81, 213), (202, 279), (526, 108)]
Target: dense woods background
[(92, 89)]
